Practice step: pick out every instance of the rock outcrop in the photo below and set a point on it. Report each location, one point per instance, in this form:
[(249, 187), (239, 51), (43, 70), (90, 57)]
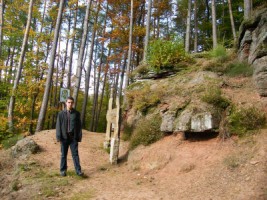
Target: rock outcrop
[(24, 147), (182, 109), (253, 48)]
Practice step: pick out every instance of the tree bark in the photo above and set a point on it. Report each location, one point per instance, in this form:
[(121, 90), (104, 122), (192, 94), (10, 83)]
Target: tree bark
[(19, 70), (72, 47), (196, 27), (43, 109), (81, 54), (1, 33), (232, 21), (214, 26), (88, 71), (93, 123), (247, 9), (188, 23), (126, 83), (147, 31)]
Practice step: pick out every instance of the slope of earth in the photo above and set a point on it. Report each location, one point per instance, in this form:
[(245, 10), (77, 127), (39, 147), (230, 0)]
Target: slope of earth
[(171, 169)]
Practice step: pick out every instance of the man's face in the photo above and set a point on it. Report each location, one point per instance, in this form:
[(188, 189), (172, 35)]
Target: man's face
[(69, 103)]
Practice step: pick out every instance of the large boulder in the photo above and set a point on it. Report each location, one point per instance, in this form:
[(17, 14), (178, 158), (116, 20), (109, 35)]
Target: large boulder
[(24, 147), (197, 117), (253, 48)]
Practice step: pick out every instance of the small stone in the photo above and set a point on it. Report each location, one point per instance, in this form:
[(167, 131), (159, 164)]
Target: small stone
[(254, 162)]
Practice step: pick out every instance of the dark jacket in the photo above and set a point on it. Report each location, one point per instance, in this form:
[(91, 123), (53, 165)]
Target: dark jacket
[(61, 127)]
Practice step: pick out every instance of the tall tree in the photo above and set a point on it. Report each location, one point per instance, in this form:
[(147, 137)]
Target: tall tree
[(130, 48), (147, 30), (188, 22), (43, 109), (247, 8), (72, 46), (1, 33), (232, 20), (93, 122), (88, 71), (214, 25), (19, 69), (81, 54), (196, 27)]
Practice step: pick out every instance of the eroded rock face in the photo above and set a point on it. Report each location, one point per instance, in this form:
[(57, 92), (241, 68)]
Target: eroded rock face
[(198, 117), (184, 110), (24, 147), (253, 48)]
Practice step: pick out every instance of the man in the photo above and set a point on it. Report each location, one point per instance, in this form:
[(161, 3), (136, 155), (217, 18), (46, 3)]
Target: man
[(69, 133)]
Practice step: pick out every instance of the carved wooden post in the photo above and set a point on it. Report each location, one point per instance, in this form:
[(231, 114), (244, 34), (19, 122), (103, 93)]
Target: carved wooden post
[(113, 118), (108, 117)]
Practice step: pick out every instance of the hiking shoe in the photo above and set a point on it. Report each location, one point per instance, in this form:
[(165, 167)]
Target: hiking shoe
[(79, 173), (63, 173)]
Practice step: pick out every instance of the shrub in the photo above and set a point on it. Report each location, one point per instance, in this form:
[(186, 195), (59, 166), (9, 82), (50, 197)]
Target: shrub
[(142, 69), (147, 131), (219, 53), (239, 68), (165, 54), (11, 140), (242, 120), (214, 96), (143, 98), (127, 131)]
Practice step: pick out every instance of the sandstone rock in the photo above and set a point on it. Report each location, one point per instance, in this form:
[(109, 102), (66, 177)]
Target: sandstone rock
[(24, 147), (260, 75), (201, 77), (253, 48), (167, 122), (198, 118)]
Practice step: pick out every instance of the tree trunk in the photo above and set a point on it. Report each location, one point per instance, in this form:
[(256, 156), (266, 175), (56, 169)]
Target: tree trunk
[(88, 71), (103, 89), (81, 54), (35, 95), (247, 9), (214, 26), (1, 33), (19, 70), (232, 21), (196, 27), (72, 47), (147, 31), (93, 123), (188, 23), (43, 109), (126, 83)]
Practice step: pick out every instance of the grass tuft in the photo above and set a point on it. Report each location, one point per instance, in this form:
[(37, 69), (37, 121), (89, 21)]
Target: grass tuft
[(243, 120), (214, 96), (147, 131)]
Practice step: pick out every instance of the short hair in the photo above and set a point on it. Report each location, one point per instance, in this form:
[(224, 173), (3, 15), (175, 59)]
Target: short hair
[(70, 98)]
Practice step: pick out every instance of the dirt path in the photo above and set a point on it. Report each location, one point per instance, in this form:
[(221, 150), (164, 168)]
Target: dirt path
[(169, 169)]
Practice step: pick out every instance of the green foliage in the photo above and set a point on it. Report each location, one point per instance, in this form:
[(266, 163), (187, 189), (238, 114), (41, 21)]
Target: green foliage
[(143, 98), (127, 131), (239, 69), (15, 185), (10, 140), (242, 120), (219, 53), (165, 55), (142, 69), (147, 131), (213, 95)]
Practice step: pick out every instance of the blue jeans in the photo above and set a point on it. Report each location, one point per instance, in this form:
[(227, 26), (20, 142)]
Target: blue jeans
[(73, 144)]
